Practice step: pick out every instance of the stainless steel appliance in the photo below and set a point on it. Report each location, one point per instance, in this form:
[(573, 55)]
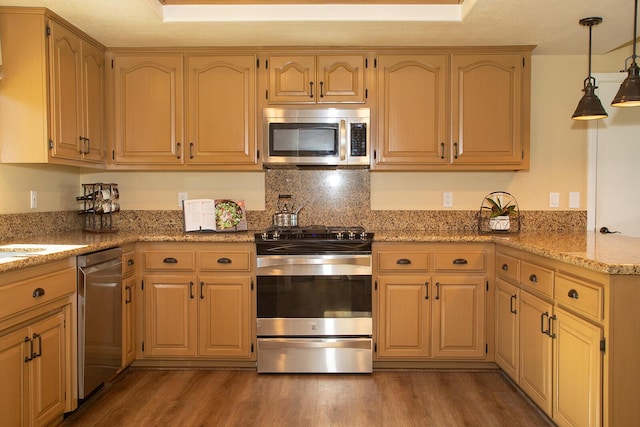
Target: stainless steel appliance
[(314, 300), (328, 137), (99, 318)]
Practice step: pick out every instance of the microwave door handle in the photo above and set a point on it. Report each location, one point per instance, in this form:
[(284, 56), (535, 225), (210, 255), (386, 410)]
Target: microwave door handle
[(343, 140)]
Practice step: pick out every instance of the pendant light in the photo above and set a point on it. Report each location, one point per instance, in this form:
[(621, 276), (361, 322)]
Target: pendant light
[(629, 93), (590, 107)]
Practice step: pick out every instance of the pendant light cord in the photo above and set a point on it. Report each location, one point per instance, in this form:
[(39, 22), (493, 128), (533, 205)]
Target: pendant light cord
[(635, 31)]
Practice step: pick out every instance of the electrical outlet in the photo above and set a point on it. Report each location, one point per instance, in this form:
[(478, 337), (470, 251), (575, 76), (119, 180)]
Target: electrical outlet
[(33, 198), (554, 200), (574, 199), (447, 199), (182, 196)]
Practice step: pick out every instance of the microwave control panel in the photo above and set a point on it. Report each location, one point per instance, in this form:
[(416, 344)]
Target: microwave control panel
[(358, 139)]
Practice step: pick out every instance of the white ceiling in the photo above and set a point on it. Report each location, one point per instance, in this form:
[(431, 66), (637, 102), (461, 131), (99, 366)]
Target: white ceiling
[(552, 25)]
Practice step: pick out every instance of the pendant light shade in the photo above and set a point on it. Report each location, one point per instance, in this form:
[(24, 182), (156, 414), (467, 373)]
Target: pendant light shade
[(629, 93), (590, 107)]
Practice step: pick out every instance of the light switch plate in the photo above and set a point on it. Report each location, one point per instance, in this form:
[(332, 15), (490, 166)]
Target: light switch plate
[(447, 199), (574, 199), (554, 200), (33, 199)]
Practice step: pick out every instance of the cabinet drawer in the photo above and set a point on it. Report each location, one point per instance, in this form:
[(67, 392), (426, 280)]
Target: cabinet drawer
[(225, 261), (460, 261), (38, 290), (403, 261), (581, 297), (536, 278), (169, 260), (128, 264), (507, 267)]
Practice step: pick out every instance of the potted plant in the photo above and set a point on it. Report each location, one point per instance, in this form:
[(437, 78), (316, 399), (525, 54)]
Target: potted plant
[(501, 213)]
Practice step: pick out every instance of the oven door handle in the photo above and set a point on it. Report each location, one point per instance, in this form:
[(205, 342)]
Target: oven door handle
[(275, 343)]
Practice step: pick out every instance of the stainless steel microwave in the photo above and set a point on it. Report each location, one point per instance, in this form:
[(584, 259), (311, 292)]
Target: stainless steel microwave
[(322, 137)]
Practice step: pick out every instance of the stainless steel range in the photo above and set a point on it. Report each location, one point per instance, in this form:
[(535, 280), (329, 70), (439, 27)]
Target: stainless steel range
[(314, 300)]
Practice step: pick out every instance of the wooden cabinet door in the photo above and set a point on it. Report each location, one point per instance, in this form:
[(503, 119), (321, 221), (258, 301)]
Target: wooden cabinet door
[(459, 317), (129, 307), (225, 317), (170, 315), (14, 371), (221, 110), (412, 110), (93, 145), (292, 79), (65, 92), (536, 350), (486, 109), (403, 316), (48, 379), (577, 373), (148, 110), (507, 347), (340, 78)]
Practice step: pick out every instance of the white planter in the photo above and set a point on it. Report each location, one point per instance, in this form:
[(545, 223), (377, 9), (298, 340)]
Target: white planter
[(500, 223)]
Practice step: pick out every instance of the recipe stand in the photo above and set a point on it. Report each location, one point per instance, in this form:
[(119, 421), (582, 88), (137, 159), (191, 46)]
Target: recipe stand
[(100, 201)]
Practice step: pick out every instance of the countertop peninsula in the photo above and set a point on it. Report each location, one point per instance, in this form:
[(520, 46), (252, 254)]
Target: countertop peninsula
[(604, 253)]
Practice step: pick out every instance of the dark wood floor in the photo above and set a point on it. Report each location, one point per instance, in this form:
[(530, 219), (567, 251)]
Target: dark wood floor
[(142, 397)]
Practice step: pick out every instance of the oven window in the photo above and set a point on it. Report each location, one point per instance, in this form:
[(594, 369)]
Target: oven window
[(303, 139), (314, 296)]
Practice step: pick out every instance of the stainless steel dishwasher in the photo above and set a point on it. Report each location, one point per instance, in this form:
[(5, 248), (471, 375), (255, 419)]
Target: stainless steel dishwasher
[(99, 318)]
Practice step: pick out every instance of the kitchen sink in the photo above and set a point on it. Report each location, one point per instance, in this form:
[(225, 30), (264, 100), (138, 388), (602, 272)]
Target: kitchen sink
[(14, 252)]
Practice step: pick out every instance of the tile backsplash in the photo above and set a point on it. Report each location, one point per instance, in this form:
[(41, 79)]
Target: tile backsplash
[(327, 197)]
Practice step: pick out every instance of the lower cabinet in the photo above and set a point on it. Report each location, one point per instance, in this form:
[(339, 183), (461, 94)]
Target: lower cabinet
[(425, 313), (198, 313), (544, 340), (32, 368)]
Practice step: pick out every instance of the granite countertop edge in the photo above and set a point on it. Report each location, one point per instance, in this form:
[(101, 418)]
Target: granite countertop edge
[(609, 254)]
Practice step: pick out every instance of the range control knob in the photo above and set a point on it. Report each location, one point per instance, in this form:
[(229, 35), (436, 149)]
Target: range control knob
[(339, 235), (352, 235), (265, 236), (275, 235), (363, 235)]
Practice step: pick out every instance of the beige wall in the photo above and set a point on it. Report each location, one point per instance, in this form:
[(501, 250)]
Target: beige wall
[(558, 163)]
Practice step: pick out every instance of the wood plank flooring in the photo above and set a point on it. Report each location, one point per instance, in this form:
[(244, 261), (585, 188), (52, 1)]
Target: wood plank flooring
[(143, 397)]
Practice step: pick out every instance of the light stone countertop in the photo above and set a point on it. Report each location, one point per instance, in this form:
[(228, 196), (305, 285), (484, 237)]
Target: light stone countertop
[(611, 253)]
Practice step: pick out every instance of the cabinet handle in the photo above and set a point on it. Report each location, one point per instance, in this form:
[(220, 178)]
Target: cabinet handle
[(224, 260), (573, 294), (542, 322), (550, 329), (437, 290), (191, 150), (88, 140), (460, 261), (170, 260), (505, 267), (201, 290), (178, 151), (455, 150), (442, 148), (33, 353), (426, 288), (128, 298), (403, 261), (511, 300), (38, 292), (321, 89), (28, 358), (310, 89), (130, 262), (191, 290), (533, 278)]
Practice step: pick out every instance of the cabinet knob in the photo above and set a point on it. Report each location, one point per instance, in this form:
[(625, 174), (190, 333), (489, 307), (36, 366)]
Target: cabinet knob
[(130, 262), (403, 261), (224, 260), (573, 294), (460, 261), (38, 292), (505, 267), (533, 278), (170, 260)]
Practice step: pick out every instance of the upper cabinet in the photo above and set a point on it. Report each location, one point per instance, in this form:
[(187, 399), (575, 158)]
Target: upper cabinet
[(163, 118), (460, 110), (316, 79), (52, 103)]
